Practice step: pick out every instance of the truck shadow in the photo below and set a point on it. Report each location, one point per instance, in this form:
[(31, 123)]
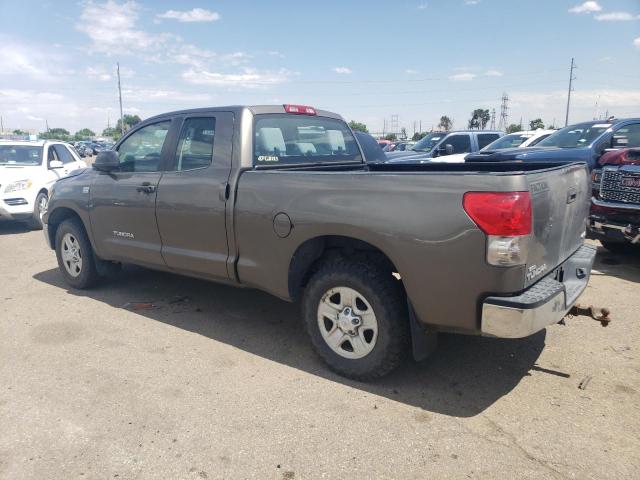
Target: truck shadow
[(9, 227), (464, 377)]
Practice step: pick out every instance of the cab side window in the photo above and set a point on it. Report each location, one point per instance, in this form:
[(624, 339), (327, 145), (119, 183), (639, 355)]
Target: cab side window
[(140, 152), (195, 146), (627, 136), (63, 154), (485, 139), (460, 143)]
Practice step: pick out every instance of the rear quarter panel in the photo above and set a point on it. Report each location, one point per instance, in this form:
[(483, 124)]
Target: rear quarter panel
[(416, 219)]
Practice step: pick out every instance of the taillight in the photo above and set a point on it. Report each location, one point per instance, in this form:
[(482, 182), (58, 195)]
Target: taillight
[(506, 218), (300, 109)]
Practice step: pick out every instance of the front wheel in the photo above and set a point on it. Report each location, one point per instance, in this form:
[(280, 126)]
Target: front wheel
[(39, 209), (75, 255), (356, 316)]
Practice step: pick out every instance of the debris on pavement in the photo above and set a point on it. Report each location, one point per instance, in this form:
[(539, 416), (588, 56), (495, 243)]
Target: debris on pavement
[(598, 314), (584, 382)]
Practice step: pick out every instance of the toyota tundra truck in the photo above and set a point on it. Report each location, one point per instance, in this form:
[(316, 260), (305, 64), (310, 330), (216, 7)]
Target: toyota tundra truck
[(382, 257)]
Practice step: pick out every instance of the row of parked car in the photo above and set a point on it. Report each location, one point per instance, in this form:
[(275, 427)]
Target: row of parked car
[(611, 148), (88, 148)]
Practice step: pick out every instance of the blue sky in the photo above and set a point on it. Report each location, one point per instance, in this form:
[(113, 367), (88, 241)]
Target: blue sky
[(366, 60)]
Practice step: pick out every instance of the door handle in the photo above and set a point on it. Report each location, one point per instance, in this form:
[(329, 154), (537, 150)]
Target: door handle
[(146, 187)]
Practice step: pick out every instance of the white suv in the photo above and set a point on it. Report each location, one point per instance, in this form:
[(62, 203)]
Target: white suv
[(27, 170)]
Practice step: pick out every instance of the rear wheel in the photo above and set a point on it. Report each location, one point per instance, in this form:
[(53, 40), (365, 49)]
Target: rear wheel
[(356, 316), (75, 255)]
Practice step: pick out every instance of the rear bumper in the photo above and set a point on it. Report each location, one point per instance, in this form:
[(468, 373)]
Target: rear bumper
[(543, 304)]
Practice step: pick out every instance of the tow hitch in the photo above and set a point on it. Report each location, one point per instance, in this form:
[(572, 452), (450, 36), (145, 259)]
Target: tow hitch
[(598, 314)]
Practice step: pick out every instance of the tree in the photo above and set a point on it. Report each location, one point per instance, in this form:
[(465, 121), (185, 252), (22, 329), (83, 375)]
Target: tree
[(391, 136), (129, 121), (535, 124), (514, 128), (84, 134), (111, 132), (403, 133), (418, 136), (56, 134), (479, 118), (357, 126), (17, 131), (445, 123)]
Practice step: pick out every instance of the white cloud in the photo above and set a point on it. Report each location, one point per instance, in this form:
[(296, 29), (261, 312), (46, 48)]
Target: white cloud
[(422, 6), (236, 58), (17, 60), (616, 17), (194, 15), (158, 95), (586, 7), (493, 73), (187, 55), (462, 77), (636, 42), (342, 70), (111, 26), (275, 53), (249, 78), (471, 2), (411, 71), (98, 73)]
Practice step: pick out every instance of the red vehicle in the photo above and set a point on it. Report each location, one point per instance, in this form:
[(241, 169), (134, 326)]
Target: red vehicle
[(615, 203)]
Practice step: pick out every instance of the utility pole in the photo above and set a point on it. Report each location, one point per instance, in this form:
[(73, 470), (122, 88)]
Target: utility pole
[(120, 96), (504, 112), (47, 124), (571, 79), (1, 125)]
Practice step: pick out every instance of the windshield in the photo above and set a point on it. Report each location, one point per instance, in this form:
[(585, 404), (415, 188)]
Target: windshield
[(512, 140), (302, 139), (427, 143), (20, 155), (575, 136)]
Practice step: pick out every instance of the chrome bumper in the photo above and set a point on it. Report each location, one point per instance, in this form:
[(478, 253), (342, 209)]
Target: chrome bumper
[(543, 304)]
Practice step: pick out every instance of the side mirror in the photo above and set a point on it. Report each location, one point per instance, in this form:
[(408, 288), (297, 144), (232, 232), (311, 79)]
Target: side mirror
[(55, 164), (107, 161), (447, 149)]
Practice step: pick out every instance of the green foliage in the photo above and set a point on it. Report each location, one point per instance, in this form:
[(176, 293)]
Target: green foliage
[(418, 135), (357, 126), (391, 137), (445, 123), (17, 131), (84, 134), (514, 128), (129, 121), (479, 118), (55, 134), (111, 132), (535, 124)]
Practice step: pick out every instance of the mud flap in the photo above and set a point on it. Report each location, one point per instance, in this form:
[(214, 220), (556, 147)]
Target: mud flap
[(423, 341)]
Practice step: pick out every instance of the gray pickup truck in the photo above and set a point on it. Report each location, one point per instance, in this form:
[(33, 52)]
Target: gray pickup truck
[(381, 256)]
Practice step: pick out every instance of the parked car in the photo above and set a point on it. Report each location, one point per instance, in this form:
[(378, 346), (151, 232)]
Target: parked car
[(582, 142), (615, 204), (384, 143), (280, 198), (439, 146), (27, 170), (399, 146)]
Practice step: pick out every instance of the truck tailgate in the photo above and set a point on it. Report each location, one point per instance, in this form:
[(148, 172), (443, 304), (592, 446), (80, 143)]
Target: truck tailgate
[(560, 201)]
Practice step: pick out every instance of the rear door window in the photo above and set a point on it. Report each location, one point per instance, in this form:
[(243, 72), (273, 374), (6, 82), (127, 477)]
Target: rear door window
[(286, 139), (485, 139), (195, 146)]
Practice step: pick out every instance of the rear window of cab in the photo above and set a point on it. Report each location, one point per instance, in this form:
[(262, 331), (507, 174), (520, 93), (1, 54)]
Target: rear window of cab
[(286, 139)]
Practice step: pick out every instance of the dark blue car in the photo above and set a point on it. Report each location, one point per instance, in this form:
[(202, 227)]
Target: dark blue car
[(582, 142)]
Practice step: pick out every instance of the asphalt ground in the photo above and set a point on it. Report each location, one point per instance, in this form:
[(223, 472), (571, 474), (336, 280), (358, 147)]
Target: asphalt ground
[(214, 382)]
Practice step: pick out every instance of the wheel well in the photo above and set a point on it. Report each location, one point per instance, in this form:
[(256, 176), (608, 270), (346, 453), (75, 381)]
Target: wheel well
[(56, 218), (43, 190), (310, 254)]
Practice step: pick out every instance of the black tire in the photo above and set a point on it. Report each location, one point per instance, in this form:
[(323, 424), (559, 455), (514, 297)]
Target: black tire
[(387, 298), (621, 248), (88, 274), (35, 223)]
